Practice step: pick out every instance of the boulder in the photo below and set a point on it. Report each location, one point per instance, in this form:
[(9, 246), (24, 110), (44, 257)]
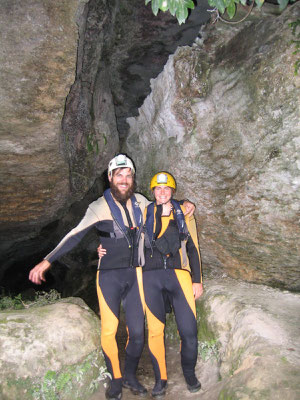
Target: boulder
[(257, 331), (53, 350)]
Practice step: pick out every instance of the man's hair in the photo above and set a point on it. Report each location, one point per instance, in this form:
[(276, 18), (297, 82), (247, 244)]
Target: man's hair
[(114, 171)]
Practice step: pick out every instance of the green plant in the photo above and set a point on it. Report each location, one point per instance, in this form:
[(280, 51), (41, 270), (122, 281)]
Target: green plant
[(208, 349), (180, 8), (43, 298), (17, 303), (92, 143), (55, 385), (11, 303)]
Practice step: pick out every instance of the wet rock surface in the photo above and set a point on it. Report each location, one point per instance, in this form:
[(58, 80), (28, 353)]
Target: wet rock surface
[(223, 117)]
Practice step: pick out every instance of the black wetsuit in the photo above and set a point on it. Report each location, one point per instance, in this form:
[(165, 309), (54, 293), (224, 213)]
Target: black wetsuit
[(169, 276)]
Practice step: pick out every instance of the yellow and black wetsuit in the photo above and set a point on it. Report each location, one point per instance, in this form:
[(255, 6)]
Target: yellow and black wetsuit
[(119, 279), (168, 274)]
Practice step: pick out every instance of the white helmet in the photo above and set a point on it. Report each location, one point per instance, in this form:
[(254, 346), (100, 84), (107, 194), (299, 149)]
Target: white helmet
[(120, 161)]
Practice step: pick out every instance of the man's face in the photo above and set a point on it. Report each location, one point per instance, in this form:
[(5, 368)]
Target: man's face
[(162, 194), (122, 183)]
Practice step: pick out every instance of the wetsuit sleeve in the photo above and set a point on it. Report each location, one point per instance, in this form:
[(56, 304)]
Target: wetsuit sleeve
[(193, 251), (74, 236)]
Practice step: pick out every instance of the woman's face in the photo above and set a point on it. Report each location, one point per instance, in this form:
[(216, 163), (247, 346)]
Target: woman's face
[(162, 194)]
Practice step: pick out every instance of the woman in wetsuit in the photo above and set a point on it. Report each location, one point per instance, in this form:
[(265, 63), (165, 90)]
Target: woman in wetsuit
[(171, 273)]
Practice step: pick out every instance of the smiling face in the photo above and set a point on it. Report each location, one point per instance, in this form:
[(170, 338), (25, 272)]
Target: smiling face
[(122, 183), (162, 194)]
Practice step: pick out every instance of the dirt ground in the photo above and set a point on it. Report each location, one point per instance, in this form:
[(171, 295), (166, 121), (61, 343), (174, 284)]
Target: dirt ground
[(176, 384)]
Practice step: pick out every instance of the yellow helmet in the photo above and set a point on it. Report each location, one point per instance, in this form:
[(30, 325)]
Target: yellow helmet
[(163, 179)]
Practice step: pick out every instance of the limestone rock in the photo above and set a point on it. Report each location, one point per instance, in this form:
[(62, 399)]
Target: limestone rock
[(223, 117), (52, 349), (49, 53), (258, 331), (37, 58)]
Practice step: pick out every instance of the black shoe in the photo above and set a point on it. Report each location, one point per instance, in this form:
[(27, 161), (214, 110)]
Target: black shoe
[(159, 389), (114, 390), (193, 385), (134, 385)]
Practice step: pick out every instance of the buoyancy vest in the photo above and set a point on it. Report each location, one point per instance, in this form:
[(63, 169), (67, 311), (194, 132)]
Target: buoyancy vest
[(120, 230), (124, 252), (181, 224)]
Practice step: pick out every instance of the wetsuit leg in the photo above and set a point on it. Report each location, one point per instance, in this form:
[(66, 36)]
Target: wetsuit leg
[(113, 287), (134, 308), (109, 290), (156, 317), (183, 302)]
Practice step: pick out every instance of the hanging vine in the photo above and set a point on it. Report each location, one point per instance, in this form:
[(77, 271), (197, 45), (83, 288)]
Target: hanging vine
[(180, 8)]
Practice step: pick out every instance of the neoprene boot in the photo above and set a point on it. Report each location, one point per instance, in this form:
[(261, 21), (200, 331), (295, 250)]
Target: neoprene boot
[(130, 380), (159, 389), (193, 384), (114, 390)]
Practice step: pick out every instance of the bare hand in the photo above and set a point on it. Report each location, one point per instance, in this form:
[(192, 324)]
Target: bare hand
[(37, 274), (101, 251), (189, 208), (198, 290)]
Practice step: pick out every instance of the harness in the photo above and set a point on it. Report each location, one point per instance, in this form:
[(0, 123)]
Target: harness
[(119, 229), (181, 224)]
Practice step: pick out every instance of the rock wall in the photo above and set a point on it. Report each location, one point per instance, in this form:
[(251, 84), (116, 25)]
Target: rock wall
[(223, 117), (37, 61), (51, 149)]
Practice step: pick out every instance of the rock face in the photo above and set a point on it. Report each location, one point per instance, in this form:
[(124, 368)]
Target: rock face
[(223, 117), (50, 350), (70, 76), (50, 52), (258, 331), (37, 58)]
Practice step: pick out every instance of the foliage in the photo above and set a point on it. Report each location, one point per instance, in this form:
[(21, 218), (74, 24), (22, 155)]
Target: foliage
[(208, 349), (180, 8), (11, 303), (72, 382), (295, 26), (92, 144), (41, 299)]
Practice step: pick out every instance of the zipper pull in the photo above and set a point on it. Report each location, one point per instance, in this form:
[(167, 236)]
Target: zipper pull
[(165, 263)]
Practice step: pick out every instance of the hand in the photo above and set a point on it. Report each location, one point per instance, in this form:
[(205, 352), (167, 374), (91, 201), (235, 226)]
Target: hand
[(189, 208), (101, 251), (37, 274), (166, 209), (198, 290)]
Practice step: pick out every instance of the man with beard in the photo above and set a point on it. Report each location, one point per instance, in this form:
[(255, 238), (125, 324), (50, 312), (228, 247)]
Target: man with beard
[(118, 217)]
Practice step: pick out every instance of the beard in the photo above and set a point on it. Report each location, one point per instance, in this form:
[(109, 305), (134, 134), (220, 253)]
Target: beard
[(121, 197)]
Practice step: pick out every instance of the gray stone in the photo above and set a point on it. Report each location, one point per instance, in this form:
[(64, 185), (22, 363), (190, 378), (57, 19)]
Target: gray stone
[(223, 117), (258, 331), (50, 350)]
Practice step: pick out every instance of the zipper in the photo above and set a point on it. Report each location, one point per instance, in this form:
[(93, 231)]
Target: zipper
[(165, 262)]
